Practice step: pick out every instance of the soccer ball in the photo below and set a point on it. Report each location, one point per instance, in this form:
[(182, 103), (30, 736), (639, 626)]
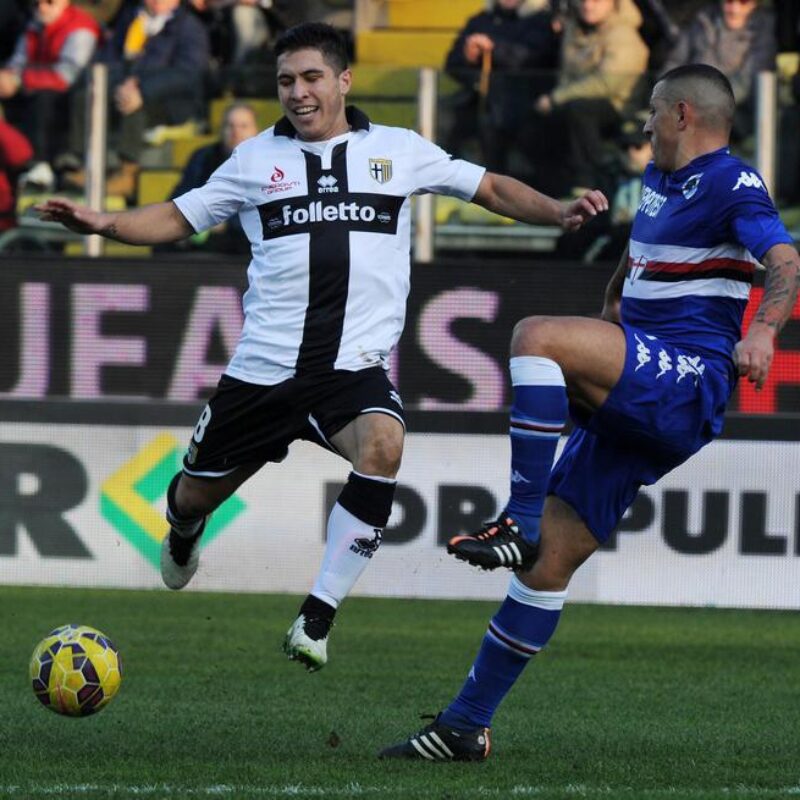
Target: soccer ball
[(75, 670)]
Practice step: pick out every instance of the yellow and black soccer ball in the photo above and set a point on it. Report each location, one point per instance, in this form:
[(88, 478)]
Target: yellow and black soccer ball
[(75, 670)]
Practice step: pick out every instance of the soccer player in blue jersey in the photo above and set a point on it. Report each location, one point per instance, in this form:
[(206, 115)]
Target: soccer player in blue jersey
[(646, 385)]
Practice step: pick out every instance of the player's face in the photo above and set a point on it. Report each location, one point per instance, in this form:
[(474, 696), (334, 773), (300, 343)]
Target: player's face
[(240, 124), (661, 128), (312, 95)]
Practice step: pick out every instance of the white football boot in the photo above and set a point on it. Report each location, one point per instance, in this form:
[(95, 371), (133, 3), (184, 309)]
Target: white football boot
[(180, 556), (307, 642)]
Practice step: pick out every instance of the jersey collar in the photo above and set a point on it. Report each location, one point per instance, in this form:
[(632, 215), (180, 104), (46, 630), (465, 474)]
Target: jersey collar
[(358, 120)]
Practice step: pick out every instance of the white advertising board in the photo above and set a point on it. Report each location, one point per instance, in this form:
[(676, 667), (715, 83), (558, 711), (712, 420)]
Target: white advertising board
[(82, 505)]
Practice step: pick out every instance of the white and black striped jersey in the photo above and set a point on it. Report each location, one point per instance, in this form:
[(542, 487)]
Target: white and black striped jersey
[(329, 226)]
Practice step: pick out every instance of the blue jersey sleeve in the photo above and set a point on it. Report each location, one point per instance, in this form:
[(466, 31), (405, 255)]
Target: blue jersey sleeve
[(754, 220)]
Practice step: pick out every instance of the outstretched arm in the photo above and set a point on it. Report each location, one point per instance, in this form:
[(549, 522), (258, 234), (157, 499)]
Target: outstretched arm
[(153, 224), (512, 198), (753, 355)]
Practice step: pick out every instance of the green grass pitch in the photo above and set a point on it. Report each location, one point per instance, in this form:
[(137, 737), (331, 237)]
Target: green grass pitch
[(625, 703)]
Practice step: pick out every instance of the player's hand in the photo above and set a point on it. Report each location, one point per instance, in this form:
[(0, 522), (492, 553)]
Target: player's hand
[(80, 219), (753, 355), (575, 214)]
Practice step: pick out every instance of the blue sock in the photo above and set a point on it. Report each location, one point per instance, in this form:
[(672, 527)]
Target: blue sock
[(519, 630), (538, 414)]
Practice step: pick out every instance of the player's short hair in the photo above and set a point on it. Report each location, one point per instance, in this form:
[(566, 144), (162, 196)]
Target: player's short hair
[(315, 36), (705, 88)]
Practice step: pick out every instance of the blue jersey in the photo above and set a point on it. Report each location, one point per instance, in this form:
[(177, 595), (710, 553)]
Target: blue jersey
[(697, 237)]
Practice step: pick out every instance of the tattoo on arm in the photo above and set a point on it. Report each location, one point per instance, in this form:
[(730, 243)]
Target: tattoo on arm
[(110, 231), (780, 289)]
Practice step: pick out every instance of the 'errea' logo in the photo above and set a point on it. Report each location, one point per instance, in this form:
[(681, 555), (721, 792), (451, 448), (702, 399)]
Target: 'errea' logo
[(327, 185), (132, 499), (750, 180)]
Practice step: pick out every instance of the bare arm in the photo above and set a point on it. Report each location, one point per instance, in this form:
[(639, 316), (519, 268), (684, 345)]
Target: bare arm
[(613, 295), (153, 224), (512, 198), (753, 355)]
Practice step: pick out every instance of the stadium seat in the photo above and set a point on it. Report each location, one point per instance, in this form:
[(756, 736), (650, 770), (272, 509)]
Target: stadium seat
[(181, 150), (156, 185)]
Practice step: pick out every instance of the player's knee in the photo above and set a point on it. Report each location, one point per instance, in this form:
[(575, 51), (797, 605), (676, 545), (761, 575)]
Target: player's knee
[(534, 336), (382, 454)]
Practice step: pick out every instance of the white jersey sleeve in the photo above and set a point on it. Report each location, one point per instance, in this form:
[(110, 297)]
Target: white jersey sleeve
[(438, 172), (220, 198)]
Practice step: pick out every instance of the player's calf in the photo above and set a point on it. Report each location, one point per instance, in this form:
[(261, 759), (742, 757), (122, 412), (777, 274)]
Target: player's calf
[(180, 550)]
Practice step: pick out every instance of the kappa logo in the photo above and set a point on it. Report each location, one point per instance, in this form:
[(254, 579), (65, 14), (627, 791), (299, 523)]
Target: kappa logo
[(518, 477), (643, 355), (689, 188), (381, 169), (367, 547), (327, 185), (664, 363), (692, 367), (750, 180)]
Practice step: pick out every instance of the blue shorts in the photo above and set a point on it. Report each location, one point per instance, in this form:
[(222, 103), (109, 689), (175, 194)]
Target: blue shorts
[(667, 404)]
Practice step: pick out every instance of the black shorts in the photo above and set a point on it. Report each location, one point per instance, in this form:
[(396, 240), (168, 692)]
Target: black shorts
[(246, 423)]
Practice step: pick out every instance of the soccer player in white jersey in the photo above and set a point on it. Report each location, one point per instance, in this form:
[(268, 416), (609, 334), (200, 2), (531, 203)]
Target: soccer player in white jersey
[(324, 198), (647, 384)]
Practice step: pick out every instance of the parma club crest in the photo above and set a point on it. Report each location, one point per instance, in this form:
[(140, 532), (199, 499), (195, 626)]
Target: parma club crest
[(381, 169)]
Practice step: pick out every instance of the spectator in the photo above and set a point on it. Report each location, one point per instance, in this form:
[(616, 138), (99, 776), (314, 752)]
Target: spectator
[(521, 49), (157, 58), (239, 30), (659, 31), (600, 81), (15, 152), (738, 38), (239, 123), (35, 83)]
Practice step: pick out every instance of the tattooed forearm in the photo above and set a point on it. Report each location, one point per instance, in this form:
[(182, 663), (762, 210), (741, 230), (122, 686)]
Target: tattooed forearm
[(780, 289), (110, 231)]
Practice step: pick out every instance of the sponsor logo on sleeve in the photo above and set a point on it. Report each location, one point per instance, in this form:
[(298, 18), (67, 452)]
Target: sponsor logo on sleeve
[(749, 180)]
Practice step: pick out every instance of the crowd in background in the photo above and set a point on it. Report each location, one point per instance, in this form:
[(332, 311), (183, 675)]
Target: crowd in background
[(551, 91)]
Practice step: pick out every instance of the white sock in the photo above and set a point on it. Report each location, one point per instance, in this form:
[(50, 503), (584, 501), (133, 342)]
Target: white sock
[(350, 546)]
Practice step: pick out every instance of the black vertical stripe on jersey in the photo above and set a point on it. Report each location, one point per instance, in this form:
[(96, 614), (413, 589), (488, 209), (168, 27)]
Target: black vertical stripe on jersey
[(328, 274)]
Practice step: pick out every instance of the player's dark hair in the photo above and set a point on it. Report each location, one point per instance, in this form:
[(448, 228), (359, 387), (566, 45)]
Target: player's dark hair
[(701, 72), (706, 87), (315, 36)]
